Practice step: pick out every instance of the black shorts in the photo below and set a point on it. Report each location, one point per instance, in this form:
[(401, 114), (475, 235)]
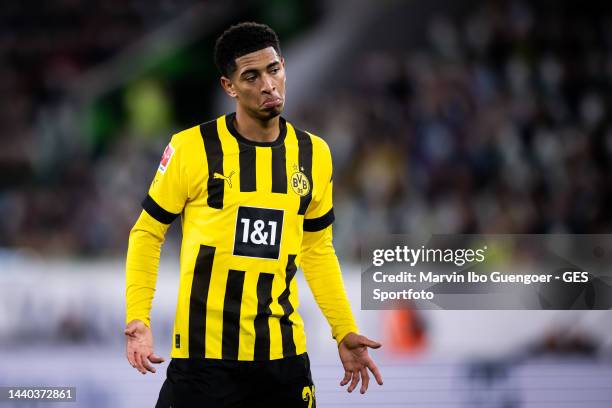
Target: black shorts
[(204, 383)]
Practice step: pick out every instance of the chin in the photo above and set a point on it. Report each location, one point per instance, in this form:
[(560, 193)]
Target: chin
[(272, 112)]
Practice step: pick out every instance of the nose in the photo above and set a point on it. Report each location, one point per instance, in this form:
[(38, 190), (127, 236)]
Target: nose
[(267, 84)]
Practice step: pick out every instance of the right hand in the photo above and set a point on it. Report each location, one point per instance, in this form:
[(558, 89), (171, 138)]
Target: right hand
[(139, 347)]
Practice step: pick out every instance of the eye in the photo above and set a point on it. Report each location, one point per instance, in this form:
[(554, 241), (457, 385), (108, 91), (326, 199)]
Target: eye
[(250, 78), (275, 70)]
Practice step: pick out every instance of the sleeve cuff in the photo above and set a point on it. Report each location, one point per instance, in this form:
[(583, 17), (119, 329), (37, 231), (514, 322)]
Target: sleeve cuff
[(145, 320), (341, 334), (157, 212), (318, 224)]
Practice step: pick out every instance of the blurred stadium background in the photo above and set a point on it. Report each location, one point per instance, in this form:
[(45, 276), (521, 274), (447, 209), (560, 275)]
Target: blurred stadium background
[(443, 116)]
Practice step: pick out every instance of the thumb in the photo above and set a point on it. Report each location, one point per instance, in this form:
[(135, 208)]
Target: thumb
[(130, 331), (154, 358), (133, 330), (370, 343)]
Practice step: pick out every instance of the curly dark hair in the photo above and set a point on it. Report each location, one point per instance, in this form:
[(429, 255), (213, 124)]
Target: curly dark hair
[(242, 39)]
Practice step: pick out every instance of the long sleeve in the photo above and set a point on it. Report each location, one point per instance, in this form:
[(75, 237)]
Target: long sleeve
[(322, 271), (163, 203), (146, 239)]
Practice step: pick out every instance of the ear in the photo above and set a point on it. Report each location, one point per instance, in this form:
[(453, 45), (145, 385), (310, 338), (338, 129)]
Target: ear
[(227, 86)]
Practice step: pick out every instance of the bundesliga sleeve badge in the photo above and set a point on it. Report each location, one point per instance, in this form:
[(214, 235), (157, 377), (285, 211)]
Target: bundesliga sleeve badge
[(165, 160)]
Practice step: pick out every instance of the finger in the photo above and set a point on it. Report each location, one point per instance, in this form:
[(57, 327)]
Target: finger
[(346, 379), (372, 366), (130, 357), (145, 364), (138, 362), (370, 343), (154, 358), (354, 382), (365, 380)]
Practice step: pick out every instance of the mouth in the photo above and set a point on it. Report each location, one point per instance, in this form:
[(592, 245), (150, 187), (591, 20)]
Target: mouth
[(272, 103)]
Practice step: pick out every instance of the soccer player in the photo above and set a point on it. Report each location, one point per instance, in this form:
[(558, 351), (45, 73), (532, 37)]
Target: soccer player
[(255, 198)]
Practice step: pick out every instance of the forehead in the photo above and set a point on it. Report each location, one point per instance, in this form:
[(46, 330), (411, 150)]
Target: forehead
[(259, 59)]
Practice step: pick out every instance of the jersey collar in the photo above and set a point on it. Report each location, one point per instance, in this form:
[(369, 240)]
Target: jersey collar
[(229, 123)]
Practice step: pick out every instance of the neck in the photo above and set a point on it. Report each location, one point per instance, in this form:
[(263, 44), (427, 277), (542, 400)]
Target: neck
[(256, 130)]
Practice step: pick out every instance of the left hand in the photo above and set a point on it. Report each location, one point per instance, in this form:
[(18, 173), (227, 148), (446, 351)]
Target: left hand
[(353, 351)]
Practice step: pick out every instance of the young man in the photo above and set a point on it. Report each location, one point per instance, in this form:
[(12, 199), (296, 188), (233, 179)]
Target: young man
[(255, 198)]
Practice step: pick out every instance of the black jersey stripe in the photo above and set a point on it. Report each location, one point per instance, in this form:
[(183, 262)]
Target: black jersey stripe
[(248, 168), (197, 302), (285, 323), (262, 328), (305, 161), (157, 212), (279, 169), (317, 224), (231, 314), (214, 156)]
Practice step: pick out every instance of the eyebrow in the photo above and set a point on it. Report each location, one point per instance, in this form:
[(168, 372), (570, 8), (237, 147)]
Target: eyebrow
[(253, 70)]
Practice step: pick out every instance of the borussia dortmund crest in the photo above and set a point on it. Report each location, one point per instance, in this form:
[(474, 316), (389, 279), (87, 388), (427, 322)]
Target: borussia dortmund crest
[(299, 182)]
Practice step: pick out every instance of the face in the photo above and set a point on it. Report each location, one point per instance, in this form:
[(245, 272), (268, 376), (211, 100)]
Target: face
[(258, 83)]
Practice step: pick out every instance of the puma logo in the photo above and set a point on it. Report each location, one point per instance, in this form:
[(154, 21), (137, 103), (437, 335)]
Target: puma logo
[(226, 178)]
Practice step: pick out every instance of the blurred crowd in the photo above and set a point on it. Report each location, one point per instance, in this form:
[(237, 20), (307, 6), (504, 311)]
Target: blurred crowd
[(499, 124), (51, 198)]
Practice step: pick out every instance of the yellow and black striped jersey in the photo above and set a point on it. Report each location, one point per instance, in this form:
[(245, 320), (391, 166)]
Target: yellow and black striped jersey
[(244, 208)]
